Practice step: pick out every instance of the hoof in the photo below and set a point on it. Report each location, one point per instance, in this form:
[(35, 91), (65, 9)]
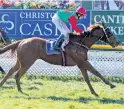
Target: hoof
[(20, 91), (23, 93), (112, 86), (95, 94)]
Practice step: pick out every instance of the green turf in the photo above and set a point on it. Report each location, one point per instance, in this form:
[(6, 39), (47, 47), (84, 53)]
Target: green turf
[(51, 93)]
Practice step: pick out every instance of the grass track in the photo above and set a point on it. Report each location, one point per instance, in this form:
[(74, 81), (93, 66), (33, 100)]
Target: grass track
[(57, 94)]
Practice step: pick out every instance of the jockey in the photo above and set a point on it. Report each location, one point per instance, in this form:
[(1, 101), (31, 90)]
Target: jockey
[(63, 16)]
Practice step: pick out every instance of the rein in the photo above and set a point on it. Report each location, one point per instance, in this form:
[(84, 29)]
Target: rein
[(82, 42), (80, 45), (104, 29)]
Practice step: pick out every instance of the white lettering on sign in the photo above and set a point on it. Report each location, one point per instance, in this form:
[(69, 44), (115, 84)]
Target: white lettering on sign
[(46, 29), (115, 22), (21, 28), (36, 15), (37, 29), (49, 30), (116, 19), (113, 29), (42, 30), (121, 30), (117, 30)]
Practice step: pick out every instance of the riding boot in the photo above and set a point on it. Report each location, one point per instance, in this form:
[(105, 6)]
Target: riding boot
[(57, 44)]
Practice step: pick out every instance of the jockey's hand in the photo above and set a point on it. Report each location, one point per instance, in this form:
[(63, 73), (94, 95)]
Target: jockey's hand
[(86, 33), (77, 33)]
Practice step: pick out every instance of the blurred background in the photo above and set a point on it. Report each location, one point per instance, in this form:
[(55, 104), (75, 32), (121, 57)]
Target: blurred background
[(63, 4), (39, 4)]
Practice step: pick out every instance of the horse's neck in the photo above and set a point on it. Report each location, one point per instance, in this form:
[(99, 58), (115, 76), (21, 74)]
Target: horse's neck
[(87, 41)]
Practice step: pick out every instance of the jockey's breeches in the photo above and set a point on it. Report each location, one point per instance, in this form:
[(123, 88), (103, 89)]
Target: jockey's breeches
[(61, 26)]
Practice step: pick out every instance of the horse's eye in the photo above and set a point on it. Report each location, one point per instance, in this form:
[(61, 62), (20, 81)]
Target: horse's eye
[(110, 33)]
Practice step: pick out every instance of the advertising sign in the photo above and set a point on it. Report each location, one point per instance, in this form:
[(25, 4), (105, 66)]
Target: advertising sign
[(19, 24), (113, 19)]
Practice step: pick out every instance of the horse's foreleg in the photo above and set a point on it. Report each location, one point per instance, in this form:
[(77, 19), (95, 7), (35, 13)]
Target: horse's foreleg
[(86, 78), (90, 68)]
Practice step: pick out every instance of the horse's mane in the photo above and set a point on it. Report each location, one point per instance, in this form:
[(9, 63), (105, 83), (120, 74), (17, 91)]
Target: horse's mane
[(90, 28), (93, 26)]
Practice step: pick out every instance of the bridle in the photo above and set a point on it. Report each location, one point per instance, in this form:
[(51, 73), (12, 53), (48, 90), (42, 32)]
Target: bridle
[(105, 34)]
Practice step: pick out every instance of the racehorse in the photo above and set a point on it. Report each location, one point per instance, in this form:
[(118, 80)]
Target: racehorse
[(30, 49), (4, 40)]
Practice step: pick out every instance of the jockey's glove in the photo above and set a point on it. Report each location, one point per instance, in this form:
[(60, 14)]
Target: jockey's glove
[(77, 33), (86, 33)]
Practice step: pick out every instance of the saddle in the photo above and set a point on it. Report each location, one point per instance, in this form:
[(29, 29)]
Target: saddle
[(51, 50)]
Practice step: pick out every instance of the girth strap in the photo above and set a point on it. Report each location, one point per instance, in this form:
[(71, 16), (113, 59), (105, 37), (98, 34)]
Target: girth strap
[(63, 54)]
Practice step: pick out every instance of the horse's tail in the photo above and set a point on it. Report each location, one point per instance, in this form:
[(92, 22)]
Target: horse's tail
[(12, 47)]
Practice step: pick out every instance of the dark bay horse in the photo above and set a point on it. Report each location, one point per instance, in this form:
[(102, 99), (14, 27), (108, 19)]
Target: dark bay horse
[(31, 49)]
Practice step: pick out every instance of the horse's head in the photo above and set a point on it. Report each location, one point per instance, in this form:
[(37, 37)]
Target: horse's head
[(103, 33)]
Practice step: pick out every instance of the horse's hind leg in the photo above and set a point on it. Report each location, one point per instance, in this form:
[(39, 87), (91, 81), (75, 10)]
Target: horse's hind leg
[(11, 71), (90, 68), (1, 69), (18, 76), (24, 67)]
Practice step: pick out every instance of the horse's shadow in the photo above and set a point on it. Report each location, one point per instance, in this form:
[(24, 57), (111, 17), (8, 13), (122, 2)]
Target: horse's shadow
[(86, 100)]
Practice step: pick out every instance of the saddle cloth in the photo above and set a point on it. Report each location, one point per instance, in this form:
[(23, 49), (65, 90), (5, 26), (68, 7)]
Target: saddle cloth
[(50, 50)]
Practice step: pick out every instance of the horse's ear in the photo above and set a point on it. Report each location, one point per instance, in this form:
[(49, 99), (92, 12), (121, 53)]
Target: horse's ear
[(103, 24)]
